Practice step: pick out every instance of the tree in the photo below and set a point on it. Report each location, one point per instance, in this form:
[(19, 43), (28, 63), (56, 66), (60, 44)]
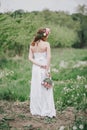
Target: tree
[(82, 18), (18, 13), (82, 9)]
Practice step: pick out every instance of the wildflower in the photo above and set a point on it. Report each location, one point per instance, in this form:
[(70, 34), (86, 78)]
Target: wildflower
[(86, 86), (67, 90), (1, 74), (80, 63), (74, 128), (64, 88), (63, 64), (69, 101), (55, 70), (84, 94), (77, 94), (7, 74), (62, 128), (78, 77), (81, 127), (72, 96)]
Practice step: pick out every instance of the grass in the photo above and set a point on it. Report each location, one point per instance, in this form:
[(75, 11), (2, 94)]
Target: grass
[(69, 74), (15, 76), (15, 73)]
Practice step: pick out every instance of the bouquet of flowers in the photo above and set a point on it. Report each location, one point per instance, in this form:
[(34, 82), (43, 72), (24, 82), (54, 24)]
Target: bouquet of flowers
[(47, 82)]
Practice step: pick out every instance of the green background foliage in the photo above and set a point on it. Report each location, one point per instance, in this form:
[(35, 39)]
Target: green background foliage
[(18, 28)]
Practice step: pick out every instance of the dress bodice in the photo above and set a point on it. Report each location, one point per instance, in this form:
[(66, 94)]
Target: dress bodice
[(40, 55)]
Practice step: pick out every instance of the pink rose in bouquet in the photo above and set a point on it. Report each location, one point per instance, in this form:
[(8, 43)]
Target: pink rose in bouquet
[(47, 83)]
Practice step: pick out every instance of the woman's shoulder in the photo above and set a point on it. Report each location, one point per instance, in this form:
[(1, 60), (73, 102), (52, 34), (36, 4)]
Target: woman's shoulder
[(47, 44), (31, 46)]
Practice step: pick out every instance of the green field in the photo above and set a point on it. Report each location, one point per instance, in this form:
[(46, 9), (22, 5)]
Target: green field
[(69, 73), (68, 69)]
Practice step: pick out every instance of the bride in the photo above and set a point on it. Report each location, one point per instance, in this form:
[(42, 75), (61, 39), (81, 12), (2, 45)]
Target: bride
[(41, 98)]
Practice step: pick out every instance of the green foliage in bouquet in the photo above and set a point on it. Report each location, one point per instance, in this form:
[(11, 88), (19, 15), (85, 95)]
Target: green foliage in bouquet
[(47, 82)]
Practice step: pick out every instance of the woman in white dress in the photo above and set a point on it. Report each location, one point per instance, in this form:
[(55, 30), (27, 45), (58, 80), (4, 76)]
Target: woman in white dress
[(41, 98)]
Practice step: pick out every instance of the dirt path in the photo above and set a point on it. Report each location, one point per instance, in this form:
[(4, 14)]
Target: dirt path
[(16, 116)]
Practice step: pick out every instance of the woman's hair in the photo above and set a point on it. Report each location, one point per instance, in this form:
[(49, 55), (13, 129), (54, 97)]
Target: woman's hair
[(41, 35)]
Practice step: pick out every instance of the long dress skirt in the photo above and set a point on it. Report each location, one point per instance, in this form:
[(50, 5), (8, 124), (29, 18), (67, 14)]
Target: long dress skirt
[(41, 99)]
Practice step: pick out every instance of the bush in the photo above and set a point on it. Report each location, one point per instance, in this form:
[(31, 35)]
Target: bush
[(63, 37)]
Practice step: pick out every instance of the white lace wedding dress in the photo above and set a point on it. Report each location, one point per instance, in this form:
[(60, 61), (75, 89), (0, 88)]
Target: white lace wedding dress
[(41, 99)]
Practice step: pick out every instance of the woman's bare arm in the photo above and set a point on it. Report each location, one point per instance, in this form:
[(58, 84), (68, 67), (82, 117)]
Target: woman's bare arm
[(48, 57)]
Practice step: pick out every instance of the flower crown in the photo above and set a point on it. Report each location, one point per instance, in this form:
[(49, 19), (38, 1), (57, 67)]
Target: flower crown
[(43, 32), (47, 31)]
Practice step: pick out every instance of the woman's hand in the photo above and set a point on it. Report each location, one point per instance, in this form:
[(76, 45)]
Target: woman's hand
[(48, 74), (43, 66)]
